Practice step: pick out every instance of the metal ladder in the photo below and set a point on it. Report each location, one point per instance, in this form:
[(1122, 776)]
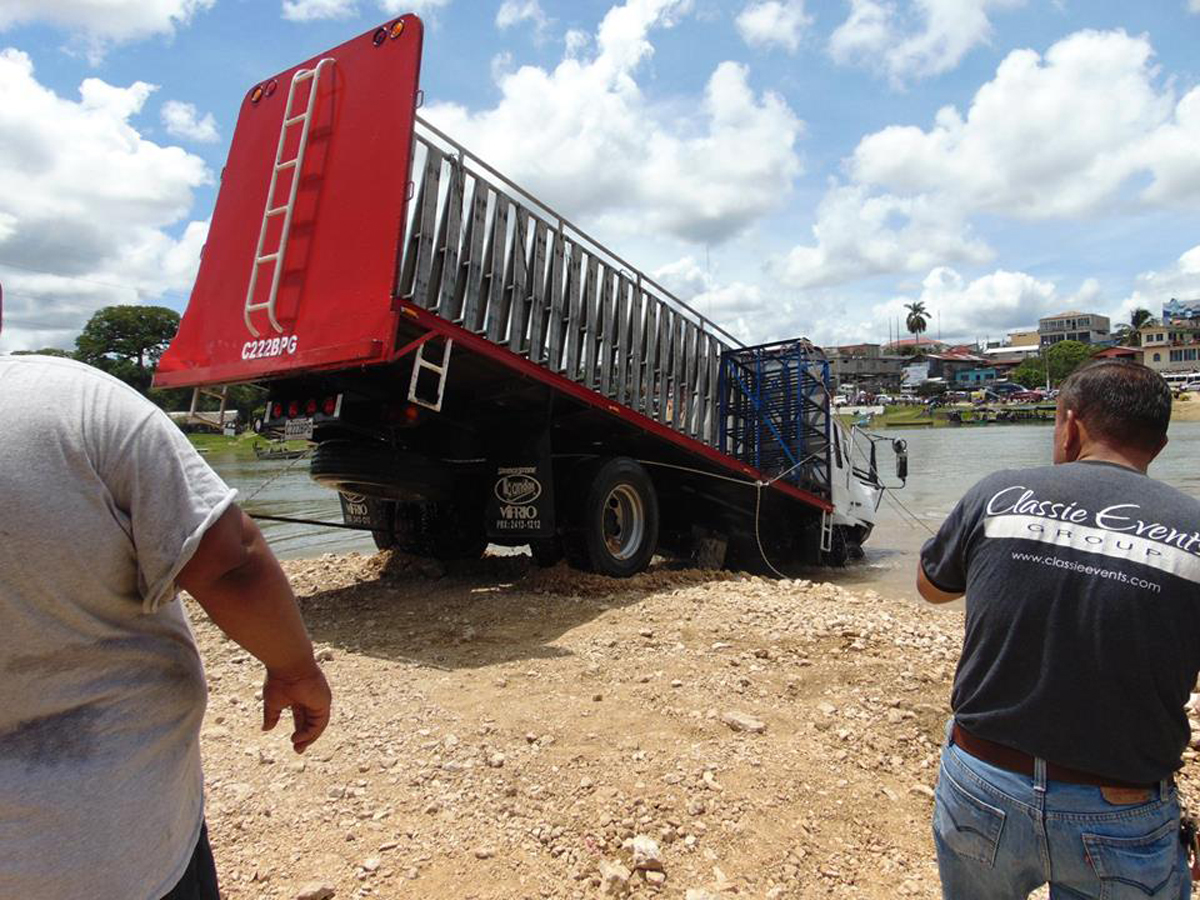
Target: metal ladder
[(442, 370), (201, 417), (276, 257)]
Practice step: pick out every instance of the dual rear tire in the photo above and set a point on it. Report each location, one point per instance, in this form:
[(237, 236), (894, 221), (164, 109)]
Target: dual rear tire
[(613, 527)]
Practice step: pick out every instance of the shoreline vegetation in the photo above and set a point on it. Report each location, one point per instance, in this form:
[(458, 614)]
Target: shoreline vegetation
[(961, 414), (894, 416)]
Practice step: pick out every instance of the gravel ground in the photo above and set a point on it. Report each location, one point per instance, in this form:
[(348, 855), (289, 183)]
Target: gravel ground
[(506, 732)]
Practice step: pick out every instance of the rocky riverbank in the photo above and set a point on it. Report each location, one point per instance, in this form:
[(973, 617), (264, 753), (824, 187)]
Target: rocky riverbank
[(505, 732)]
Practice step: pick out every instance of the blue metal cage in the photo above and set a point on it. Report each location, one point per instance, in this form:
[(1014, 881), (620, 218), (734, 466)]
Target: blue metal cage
[(775, 411)]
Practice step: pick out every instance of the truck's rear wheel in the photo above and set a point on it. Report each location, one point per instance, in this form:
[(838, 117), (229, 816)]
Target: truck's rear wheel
[(617, 525)]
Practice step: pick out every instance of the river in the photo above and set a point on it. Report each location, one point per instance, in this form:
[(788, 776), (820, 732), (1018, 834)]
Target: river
[(943, 463)]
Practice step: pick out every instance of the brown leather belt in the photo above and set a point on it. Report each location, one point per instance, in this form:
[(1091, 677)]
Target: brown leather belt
[(1022, 763)]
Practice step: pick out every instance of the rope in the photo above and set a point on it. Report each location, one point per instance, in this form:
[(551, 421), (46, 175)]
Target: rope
[(758, 486), (307, 453), (309, 522)]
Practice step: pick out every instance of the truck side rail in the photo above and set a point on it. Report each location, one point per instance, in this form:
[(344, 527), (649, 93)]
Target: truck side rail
[(486, 255)]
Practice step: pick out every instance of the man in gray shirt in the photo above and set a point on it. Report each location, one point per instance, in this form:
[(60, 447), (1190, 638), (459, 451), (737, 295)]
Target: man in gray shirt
[(1082, 643), (106, 511)]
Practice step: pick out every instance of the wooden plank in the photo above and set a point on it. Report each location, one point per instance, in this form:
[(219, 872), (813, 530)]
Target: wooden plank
[(607, 330), (424, 258), (576, 313), (518, 282), (621, 360), (666, 346), (650, 374), (677, 369), (471, 280), (538, 308), (448, 305), (636, 349), (556, 297), (497, 289), (591, 336)]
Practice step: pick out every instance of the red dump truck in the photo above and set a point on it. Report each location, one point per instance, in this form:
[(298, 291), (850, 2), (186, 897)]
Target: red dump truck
[(472, 368)]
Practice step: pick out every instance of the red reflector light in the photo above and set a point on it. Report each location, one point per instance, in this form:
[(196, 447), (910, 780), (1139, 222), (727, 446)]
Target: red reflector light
[(310, 408), (330, 406), (276, 410), (293, 409), (411, 413)]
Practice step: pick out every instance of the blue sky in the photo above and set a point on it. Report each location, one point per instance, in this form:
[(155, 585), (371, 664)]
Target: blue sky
[(790, 167)]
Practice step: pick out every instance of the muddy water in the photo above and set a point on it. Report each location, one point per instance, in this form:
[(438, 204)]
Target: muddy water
[(942, 465)]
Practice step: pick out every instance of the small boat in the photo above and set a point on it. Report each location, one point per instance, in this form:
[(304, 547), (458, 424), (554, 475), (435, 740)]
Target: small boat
[(278, 451)]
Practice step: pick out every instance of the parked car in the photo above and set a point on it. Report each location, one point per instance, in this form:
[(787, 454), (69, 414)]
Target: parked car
[(1005, 387), (1192, 386), (1026, 396)]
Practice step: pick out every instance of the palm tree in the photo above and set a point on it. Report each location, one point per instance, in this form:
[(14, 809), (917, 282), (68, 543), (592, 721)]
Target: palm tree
[(915, 321), (1138, 318)]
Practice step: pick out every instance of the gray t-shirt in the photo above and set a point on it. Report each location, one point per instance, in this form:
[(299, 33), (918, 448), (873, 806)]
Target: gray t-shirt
[(1083, 615), (102, 502)]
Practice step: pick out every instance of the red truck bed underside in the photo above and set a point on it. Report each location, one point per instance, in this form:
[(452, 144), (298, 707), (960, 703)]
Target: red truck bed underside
[(334, 301)]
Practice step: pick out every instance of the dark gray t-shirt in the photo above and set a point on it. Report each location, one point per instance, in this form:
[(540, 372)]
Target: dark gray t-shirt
[(1082, 590)]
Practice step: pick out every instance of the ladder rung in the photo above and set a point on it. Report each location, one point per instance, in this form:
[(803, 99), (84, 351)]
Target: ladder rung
[(279, 210), (256, 306), (290, 164), (304, 74), (270, 257), (288, 123)]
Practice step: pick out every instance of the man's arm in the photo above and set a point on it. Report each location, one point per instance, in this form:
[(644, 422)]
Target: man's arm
[(931, 591), (236, 579)]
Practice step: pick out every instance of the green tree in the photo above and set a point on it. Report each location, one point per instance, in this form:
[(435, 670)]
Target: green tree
[(45, 351), (1128, 334), (1062, 358), (1031, 373), (1065, 357), (915, 321), (127, 341)]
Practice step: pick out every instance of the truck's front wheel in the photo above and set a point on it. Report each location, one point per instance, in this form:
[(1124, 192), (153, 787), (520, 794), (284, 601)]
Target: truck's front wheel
[(617, 523)]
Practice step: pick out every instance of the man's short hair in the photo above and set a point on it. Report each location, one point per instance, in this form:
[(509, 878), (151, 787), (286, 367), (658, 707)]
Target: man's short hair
[(1122, 403)]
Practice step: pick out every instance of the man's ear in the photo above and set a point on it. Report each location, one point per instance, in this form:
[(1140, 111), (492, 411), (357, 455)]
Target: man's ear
[(1072, 436)]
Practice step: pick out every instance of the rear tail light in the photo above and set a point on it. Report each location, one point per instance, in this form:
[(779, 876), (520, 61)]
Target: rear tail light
[(310, 408), (330, 406), (277, 411), (293, 409)]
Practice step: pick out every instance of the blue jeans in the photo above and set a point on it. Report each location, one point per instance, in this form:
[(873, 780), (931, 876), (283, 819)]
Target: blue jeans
[(1000, 835)]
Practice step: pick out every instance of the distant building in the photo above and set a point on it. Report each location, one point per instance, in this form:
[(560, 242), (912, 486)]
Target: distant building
[(1023, 338), (977, 377), (1181, 311), (923, 343), (1173, 347), (1088, 328), (864, 367)]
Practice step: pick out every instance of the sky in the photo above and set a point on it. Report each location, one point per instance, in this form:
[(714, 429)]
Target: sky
[(789, 167)]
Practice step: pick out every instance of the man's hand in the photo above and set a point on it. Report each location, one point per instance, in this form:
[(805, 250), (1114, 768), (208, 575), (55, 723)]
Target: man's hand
[(308, 696)]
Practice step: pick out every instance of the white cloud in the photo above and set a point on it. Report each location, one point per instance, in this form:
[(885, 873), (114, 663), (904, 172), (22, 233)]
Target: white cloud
[(584, 138), (1053, 136), (859, 234), (183, 121), (97, 24), (1085, 130), (928, 37), (318, 10), (774, 22), (420, 7), (1179, 281), (514, 12), (86, 206), (989, 306), (1193, 6), (311, 10)]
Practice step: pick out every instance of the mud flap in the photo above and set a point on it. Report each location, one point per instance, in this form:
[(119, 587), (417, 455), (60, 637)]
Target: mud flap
[(367, 512), (521, 501)]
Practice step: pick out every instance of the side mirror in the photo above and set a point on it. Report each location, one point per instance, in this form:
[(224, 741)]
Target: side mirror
[(901, 449)]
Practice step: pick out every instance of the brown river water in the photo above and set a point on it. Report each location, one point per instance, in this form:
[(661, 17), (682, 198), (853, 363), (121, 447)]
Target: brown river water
[(943, 463)]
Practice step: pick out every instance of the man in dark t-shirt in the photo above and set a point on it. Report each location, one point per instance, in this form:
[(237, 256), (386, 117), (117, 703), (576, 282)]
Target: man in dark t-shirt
[(1082, 584)]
